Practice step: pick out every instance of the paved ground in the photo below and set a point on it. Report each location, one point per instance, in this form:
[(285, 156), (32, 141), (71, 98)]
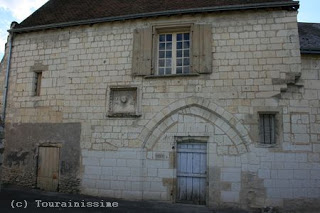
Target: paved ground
[(19, 197)]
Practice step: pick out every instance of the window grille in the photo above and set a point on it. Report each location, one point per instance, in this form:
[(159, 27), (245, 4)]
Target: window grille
[(267, 128)]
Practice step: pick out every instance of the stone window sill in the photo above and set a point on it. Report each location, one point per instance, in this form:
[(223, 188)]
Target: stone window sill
[(172, 76), (124, 115), (259, 145)]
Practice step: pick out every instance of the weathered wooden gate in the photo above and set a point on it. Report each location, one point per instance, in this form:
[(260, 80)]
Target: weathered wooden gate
[(191, 172), (48, 168)]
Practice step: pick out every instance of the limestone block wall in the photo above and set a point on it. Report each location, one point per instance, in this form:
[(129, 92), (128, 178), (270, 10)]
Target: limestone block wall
[(239, 174), (31, 52), (83, 61), (3, 67), (256, 68)]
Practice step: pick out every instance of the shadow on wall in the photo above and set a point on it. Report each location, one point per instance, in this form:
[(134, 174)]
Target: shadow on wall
[(1, 150), (1, 143), (26, 142)]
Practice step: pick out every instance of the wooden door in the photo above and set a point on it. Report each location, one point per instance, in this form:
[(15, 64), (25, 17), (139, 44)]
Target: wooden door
[(191, 173), (48, 168)]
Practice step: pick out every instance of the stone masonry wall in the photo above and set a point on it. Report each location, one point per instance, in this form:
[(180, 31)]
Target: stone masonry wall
[(256, 67), (2, 85)]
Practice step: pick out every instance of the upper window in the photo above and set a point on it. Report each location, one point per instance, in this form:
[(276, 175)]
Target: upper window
[(173, 49), (173, 53), (267, 123)]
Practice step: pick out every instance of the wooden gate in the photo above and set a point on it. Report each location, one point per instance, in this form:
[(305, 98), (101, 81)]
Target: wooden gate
[(48, 168), (191, 172)]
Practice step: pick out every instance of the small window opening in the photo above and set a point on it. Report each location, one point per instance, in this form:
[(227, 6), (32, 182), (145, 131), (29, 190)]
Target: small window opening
[(37, 86), (267, 128)]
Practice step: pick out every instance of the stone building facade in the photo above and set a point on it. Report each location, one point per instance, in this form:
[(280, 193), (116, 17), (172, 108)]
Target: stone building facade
[(122, 129)]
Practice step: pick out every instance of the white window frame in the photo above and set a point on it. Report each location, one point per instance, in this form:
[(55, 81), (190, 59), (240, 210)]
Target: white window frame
[(171, 29), (174, 52)]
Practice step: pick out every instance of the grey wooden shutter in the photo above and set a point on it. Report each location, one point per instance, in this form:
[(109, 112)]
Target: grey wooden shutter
[(142, 52), (202, 48)]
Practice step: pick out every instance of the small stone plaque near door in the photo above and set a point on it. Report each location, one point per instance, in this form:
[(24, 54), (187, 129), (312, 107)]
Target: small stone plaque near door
[(48, 168)]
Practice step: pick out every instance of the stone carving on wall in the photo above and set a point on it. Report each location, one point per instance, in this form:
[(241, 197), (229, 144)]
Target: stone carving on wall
[(123, 101)]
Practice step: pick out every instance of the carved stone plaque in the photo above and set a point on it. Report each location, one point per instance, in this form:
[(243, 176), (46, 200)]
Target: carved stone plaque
[(123, 102)]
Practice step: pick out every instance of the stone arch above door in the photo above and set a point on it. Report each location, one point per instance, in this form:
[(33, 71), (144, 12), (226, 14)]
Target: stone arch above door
[(202, 108)]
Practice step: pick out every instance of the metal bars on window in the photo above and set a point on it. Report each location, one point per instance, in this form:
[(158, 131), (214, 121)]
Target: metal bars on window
[(267, 128)]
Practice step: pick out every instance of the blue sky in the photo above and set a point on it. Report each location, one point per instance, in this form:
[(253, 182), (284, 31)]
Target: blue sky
[(18, 10)]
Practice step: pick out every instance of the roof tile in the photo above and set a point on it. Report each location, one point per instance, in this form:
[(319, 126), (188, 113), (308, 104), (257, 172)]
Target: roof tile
[(62, 11), (309, 34)]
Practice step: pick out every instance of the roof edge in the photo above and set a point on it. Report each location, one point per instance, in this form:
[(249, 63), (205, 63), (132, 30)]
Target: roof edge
[(310, 51), (291, 5), (301, 22)]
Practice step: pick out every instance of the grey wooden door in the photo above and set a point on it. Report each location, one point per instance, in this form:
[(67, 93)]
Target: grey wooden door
[(48, 168), (191, 173)]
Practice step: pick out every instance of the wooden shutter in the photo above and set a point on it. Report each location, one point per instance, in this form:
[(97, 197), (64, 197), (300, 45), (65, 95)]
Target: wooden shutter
[(202, 48), (142, 52)]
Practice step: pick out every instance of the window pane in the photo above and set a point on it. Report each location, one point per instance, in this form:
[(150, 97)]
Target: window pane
[(186, 36), (162, 37), (169, 46), (168, 63), (161, 54), (162, 46), (179, 62), (179, 53), (179, 45), (186, 69), (169, 37), (186, 61), (179, 70), (169, 54), (179, 37), (186, 53), (168, 71), (161, 63), (161, 71), (186, 45)]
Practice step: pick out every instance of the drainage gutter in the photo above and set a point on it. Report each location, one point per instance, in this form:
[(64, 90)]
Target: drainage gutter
[(5, 93), (310, 52)]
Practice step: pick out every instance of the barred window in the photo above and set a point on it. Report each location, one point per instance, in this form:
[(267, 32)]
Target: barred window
[(267, 128)]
